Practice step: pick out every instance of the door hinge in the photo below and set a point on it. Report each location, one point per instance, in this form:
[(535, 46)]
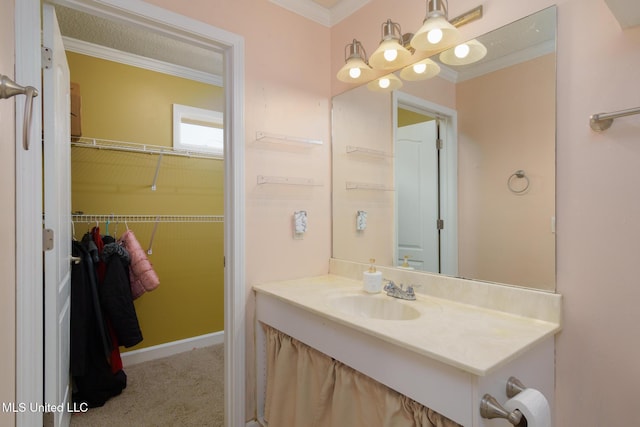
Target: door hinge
[(439, 144), (440, 224), (47, 57), (47, 239)]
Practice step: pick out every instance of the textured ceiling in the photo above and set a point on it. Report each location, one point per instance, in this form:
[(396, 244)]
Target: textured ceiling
[(135, 40)]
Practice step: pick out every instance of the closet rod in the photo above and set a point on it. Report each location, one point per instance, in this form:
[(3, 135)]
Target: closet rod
[(134, 147), (146, 218)]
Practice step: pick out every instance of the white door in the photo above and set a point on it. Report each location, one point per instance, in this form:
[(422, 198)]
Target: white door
[(417, 193), (57, 217)]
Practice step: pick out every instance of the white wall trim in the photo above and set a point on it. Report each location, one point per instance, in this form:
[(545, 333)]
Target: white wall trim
[(253, 423), (29, 291), (109, 54), (320, 14), (159, 351)]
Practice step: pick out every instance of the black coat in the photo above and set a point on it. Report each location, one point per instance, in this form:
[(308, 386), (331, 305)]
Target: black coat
[(115, 295), (94, 382)]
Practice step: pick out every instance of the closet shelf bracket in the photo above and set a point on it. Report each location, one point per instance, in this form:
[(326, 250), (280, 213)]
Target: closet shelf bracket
[(155, 177)]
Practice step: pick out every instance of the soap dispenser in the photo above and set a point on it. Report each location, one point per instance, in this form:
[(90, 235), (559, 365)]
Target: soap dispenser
[(406, 264), (372, 279)]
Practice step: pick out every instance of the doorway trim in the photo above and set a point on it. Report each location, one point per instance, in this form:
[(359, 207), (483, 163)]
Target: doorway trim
[(448, 173), (29, 292)]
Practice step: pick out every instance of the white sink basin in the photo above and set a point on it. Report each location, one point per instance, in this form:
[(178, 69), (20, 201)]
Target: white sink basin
[(374, 307)]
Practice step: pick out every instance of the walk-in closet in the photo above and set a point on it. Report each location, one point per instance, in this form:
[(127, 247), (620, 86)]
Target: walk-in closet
[(129, 172)]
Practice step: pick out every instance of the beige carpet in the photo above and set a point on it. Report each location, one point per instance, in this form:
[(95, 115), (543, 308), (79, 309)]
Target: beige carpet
[(186, 389)]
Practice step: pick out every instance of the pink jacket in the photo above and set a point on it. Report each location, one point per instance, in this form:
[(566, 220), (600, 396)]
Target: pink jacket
[(141, 274)]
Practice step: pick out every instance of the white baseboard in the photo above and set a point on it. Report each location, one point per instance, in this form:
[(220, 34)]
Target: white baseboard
[(253, 423), (169, 349)]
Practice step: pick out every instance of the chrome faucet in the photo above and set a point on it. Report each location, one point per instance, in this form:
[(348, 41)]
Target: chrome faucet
[(396, 291)]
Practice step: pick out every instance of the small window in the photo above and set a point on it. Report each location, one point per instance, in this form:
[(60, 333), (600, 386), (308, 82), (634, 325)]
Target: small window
[(197, 129)]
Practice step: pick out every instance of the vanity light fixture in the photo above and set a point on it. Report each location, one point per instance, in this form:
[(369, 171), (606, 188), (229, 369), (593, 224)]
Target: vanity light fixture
[(397, 49), (464, 53), (436, 32), (421, 70), (390, 54), (356, 68), (385, 83)]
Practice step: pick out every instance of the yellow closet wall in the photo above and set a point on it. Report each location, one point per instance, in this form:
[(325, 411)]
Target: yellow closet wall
[(125, 103)]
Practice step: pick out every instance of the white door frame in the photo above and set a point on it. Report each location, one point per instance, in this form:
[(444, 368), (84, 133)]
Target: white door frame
[(448, 174), (29, 295)]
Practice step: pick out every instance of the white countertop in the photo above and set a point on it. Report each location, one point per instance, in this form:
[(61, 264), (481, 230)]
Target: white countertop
[(472, 338)]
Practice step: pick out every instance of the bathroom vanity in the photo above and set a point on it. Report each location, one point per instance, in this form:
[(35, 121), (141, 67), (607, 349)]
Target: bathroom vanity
[(457, 341)]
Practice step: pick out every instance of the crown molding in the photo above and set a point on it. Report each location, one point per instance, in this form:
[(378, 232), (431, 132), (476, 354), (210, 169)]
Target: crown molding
[(320, 14), (109, 54), (449, 73)]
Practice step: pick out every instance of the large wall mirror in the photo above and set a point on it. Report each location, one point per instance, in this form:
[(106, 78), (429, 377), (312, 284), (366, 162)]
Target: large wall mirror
[(455, 174)]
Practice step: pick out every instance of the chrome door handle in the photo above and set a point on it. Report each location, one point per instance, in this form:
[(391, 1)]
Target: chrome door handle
[(8, 89)]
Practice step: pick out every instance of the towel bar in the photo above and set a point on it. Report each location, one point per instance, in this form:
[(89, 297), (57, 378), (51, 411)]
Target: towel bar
[(603, 121)]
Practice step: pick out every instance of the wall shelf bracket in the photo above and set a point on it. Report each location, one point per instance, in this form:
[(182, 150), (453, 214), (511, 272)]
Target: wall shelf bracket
[(369, 151), (287, 180), (285, 138), (367, 186)]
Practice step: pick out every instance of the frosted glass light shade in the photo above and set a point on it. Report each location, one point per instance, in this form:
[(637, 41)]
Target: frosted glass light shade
[(450, 35), (378, 60), (476, 51), (385, 83), (421, 70), (349, 71), (355, 69)]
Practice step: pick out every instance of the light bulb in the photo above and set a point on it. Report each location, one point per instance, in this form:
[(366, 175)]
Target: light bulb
[(461, 51), (434, 36), (390, 54), (419, 68), (354, 72), (384, 83)]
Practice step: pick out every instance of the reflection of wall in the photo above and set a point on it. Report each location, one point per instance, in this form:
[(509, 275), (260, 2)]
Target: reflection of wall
[(504, 237), (126, 103), (363, 119), (408, 117)]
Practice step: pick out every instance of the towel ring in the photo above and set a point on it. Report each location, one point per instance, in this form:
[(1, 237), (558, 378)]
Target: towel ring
[(518, 174)]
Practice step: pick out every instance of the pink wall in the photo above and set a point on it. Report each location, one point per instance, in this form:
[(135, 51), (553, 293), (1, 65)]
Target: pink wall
[(505, 237), (598, 231), (597, 183)]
